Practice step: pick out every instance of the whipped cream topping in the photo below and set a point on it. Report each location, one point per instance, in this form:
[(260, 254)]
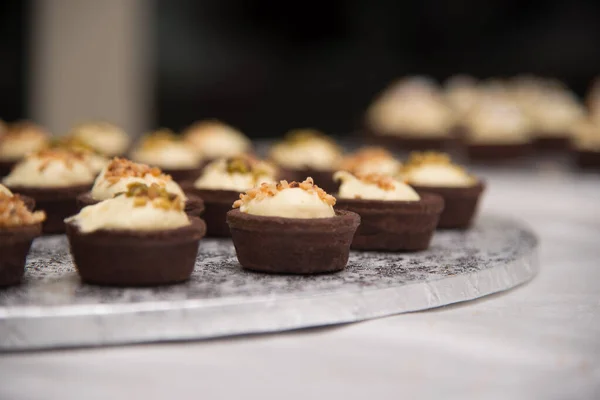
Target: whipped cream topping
[(51, 168), (497, 121), (371, 160), (14, 212), (103, 137), (237, 174), (20, 139), (163, 149), (586, 135), (373, 187), (5, 191), (554, 114), (436, 170), (461, 93), (287, 200), (151, 210), (411, 113), (214, 139), (117, 176), (306, 149)]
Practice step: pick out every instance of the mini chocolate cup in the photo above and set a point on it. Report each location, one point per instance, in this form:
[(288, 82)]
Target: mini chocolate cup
[(194, 206), (292, 245), (183, 175), (216, 205), (58, 203), (14, 247), (323, 179), (587, 159), (136, 258), (6, 167), (394, 225), (460, 204), (552, 143), (497, 152)]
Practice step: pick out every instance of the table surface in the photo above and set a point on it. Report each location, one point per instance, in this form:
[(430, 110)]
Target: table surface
[(540, 340)]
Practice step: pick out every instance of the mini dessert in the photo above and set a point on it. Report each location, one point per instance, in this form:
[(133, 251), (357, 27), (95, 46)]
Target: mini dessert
[(411, 115), (221, 183), (434, 173), (53, 178), (18, 140), (307, 152), (29, 202), (214, 139), (291, 229), (165, 150), (102, 137), (371, 160), (138, 238), (18, 227), (393, 216), (586, 144), (120, 173), (461, 93), (496, 130)]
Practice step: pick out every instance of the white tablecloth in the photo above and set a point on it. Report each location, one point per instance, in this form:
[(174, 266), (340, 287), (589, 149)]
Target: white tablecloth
[(538, 341)]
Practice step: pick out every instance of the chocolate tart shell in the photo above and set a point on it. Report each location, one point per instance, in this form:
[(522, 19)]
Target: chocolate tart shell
[(394, 225), (323, 179), (587, 159), (217, 203), (460, 204), (292, 245), (194, 206), (552, 143), (497, 152), (409, 141), (136, 258), (29, 202), (14, 246), (58, 203), (183, 175)]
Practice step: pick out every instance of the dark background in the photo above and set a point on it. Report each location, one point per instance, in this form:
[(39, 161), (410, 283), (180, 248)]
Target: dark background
[(268, 66)]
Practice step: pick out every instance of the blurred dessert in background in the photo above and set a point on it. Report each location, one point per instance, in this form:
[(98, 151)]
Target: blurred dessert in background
[(19, 139), (165, 150), (307, 152), (371, 160), (214, 139), (102, 137), (432, 172), (93, 158), (221, 183), (586, 143), (461, 93), (411, 114), (53, 178)]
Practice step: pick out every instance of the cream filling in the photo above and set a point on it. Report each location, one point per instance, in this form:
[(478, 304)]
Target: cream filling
[(412, 117), (215, 177), (104, 189), (290, 203), (586, 136), (16, 148), (354, 188), (552, 120), (168, 156), (122, 214), (96, 162), (105, 138), (219, 142), (498, 124), (310, 154), (439, 175), (39, 172), (5, 191), (381, 166)]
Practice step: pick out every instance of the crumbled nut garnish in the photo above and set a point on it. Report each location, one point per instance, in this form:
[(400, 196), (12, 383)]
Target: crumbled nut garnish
[(121, 168), (14, 212), (248, 164), (66, 156), (417, 159), (353, 161), (70, 142), (271, 189), (159, 138), (384, 182), (156, 195)]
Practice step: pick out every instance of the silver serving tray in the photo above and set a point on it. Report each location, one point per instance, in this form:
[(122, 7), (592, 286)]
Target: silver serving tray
[(52, 308)]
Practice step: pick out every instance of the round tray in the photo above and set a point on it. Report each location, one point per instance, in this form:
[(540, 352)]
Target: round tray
[(53, 309)]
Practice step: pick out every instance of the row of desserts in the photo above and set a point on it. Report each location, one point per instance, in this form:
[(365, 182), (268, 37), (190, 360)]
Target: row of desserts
[(494, 118), (134, 229)]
